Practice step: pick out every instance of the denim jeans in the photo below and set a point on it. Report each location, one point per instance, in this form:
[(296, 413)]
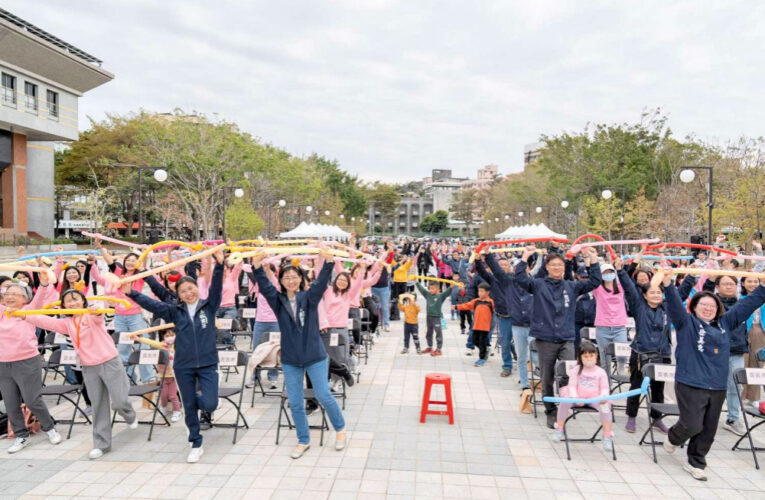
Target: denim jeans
[(607, 335), (505, 338), (293, 381), (384, 295), (224, 334), (260, 334), (734, 407), (521, 339), (132, 323)]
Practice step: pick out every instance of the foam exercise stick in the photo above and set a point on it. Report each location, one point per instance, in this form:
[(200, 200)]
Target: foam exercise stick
[(611, 397), (157, 328), (514, 249), (741, 257), (292, 251), (708, 248), (52, 312), (578, 246), (485, 244), (659, 257), (163, 244), (178, 263), (112, 240), (716, 272), (577, 241), (440, 280), (23, 267), (55, 254), (95, 299)]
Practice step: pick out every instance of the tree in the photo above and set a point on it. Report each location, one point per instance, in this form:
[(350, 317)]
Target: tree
[(464, 205), (241, 222), (384, 198), (342, 185), (435, 222)]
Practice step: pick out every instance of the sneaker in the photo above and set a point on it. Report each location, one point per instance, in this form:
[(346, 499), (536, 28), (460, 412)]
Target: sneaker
[(631, 425), (736, 427), (310, 407), (272, 387), (480, 362), (299, 450), (18, 445), (88, 410), (463, 331), (469, 352), (608, 444), (669, 447), (437, 352), (404, 351), (134, 423), (698, 474), (419, 351), (661, 427), (427, 350), (477, 364), (250, 384), (195, 454), (53, 436), (557, 435), (205, 420), (506, 373), (95, 454), (341, 440), (176, 416), (551, 420)]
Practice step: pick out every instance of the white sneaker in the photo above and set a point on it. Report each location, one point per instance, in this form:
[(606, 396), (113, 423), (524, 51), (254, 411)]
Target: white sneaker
[(134, 423), (557, 435), (669, 447), (195, 454), (176, 416), (95, 454), (341, 440), (299, 451), (53, 436), (738, 428), (698, 474), (18, 445)]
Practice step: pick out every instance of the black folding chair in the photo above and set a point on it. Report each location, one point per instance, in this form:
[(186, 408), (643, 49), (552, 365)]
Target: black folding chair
[(561, 380), (143, 391), (354, 327), (337, 353), (65, 391), (308, 394), (241, 326), (749, 376), (228, 359), (657, 373), (535, 378), (615, 379)]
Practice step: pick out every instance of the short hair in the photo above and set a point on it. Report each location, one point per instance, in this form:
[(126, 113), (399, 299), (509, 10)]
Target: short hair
[(700, 295), (484, 286)]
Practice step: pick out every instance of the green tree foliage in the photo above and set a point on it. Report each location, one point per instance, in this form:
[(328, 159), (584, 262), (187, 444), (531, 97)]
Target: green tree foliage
[(385, 198), (435, 222), (465, 206), (342, 185), (241, 222)]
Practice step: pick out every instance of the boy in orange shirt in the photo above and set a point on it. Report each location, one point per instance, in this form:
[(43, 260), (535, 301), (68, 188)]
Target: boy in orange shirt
[(483, 311), (408, 305)]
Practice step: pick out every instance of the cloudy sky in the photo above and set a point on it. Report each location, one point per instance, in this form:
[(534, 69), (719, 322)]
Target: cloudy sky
[(393, 89)]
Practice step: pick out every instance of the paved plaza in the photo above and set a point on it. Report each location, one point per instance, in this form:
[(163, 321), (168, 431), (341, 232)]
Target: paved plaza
[(492, 451)]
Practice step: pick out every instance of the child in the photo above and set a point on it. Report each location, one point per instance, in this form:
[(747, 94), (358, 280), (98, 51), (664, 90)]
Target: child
[(483, 308), (433, 316), (460, 296), (408, 305), (453, 298), (587, 380), (169, 387)]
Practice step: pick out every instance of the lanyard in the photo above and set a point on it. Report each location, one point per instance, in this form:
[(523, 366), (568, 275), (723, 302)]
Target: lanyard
[(77, 330)]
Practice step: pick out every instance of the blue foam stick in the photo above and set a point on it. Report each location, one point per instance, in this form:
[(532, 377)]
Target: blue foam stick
[(611, 397), (55, 254)]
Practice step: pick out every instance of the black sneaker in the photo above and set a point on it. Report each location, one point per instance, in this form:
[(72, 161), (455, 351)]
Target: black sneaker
[(311, 406), (205, 420), (551, 419)]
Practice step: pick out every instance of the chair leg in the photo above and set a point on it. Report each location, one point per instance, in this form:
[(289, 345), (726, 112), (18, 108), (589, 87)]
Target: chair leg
[(650, 431), (565, 439), (74, 415)]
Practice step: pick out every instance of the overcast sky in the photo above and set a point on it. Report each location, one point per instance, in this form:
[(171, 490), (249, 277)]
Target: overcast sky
[(393, 89)]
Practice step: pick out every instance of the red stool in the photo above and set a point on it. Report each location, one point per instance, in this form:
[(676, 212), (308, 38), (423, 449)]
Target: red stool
[(430, 380)]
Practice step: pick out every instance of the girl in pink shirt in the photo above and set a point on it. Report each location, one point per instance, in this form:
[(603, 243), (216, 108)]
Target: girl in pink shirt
[(102, 369), (227, 307), (587, 380), (610, 315)]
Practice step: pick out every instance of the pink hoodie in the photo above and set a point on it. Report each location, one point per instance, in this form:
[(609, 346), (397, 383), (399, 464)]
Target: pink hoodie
[(231, 286), (591, 383), (336, 306), (93, 344), (111, 291), (18, 338)]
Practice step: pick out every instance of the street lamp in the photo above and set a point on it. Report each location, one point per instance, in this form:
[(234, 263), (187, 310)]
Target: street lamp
[(607, 194), (238, 192), (564, 204), (688, 175), (282, 203), (160, 175)]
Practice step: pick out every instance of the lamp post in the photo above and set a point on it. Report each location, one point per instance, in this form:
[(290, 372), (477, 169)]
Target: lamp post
[(688, 175), (607, 194), (160, 175)]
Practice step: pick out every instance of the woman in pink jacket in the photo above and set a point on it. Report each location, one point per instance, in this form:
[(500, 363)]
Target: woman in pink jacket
[(20, 361), (102, 369), (334, 307)]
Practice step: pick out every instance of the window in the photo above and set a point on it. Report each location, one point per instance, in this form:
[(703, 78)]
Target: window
[(52, 98), (30, 96), (9, 89)]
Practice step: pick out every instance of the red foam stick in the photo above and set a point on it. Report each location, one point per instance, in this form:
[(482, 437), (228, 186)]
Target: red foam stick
[(485, 244), (593, 236), (692, 245)]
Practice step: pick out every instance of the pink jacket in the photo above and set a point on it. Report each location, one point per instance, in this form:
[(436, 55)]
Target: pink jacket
[(366, 284), (336, 306), (231, 286), (111, 291), (93, 345), (18, 338), (591, 383)]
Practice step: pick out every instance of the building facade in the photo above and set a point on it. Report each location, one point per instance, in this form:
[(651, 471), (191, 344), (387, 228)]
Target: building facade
[(486, 176), (42, 79)]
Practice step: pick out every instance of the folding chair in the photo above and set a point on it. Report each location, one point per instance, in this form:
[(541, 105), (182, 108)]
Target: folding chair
[(229, 359), (335, 345), (308, 394), (50, 344), (561, 380), (354, 326), (362, 347), (659, 373), (749, 376), (241, 324), (148, 357), (616, 380), (273, 336), (55, 362), (534, 380)]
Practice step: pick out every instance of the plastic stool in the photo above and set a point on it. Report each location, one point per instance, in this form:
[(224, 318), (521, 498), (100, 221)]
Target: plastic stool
[(430, 380)]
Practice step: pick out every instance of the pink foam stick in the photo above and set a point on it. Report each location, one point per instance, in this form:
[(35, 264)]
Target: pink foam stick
[(579, 246), (112, 240)]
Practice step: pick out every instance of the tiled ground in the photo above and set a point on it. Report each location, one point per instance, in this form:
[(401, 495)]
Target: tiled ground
[(493, 451)]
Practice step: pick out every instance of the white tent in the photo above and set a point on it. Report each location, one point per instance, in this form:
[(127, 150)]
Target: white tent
[(528, 231), (304, 230)]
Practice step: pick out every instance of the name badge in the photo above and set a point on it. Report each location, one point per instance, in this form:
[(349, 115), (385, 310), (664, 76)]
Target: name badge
[(69, 357), (249, 312), (228, 358), (622, 349), (224, 323), (149, 357), (242, 300), (570, 364), (124, 339), (275, 336), (334, 339), (59, 339), (755, 376), (664, 373)]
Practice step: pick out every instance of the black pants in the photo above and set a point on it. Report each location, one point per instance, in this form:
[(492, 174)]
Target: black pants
[(422, 270), (399, 288), (636, 380), (480, 339), (549, 354), (466, 315), (699, 415)]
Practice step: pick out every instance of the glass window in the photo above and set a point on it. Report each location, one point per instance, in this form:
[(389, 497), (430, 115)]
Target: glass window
[(9, 88), (52, 99), (30, 96)]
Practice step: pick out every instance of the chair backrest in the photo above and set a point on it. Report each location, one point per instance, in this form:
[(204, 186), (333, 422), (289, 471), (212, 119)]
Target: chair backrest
[(562, 367), (354, 313), (148, 357), (659, 372), (749, 376), (232, 358), (363, 313), (588, 333), (61, 357), (618, 349), (354, 324)]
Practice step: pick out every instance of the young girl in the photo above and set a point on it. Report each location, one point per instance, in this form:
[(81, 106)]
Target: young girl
[(102, 369), (587, 380), (169, 387)]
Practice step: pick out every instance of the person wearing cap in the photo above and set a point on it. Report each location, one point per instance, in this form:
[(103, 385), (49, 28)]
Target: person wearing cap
[(610, 316)]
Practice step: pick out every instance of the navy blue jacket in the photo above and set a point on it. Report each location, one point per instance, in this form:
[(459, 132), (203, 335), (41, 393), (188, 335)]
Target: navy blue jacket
[(497, 289), (195, 340), (518, 300), (554, 302), (739, 338), (653, 332), (703, 349), (586, 308), (301, 338)]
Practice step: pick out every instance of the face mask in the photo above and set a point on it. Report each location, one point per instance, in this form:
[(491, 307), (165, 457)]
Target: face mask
[(169, 340), (589, 362), (608, 278)]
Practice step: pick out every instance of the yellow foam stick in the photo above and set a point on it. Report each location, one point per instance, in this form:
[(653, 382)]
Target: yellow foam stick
[(717, 272), (115, 300), (153, 329), (116, 281), (52, 312), (192, 246), (440, 280)]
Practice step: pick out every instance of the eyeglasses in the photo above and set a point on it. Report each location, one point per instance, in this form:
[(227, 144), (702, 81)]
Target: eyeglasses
[(706, 306), (291, 278)]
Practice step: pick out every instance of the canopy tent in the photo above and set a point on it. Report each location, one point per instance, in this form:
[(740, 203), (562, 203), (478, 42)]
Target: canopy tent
[(528, 231), (305, 230)]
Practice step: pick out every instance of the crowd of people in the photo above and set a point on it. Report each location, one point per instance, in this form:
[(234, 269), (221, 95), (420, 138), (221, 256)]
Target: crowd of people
[(708, 326)]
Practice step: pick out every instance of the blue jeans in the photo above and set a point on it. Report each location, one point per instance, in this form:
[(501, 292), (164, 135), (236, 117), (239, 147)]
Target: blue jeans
[(384, 295), (734, 407), (607, 335), (521, 339), (132, 323), (199, 391), (293, 380), (261, 334), (505, 337), (228, 313), (453, 313)]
